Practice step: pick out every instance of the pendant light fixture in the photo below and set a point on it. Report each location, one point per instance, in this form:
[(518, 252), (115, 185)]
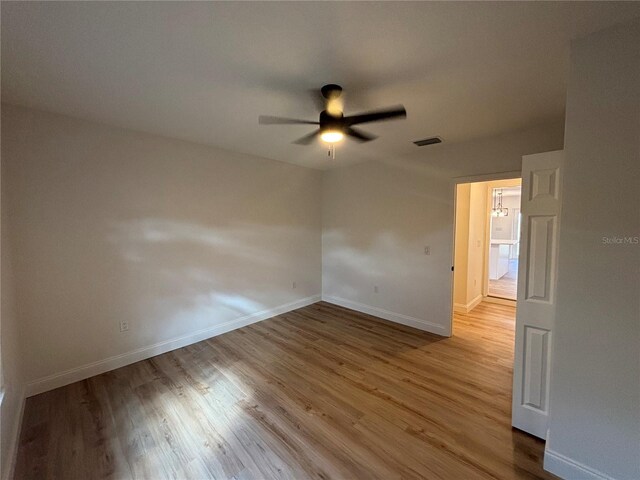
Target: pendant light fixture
[(497, 209)]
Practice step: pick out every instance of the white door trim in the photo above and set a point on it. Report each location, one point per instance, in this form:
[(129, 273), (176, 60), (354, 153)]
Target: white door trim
[(487, 177)]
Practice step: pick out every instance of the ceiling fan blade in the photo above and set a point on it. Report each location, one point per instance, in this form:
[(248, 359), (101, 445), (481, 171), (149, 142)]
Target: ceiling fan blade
[(376, 115), (307, 139), (269, 120), (359, 135)]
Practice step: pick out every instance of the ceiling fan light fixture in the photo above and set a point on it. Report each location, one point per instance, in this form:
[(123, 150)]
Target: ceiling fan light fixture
[(333, 126), (332, 136)]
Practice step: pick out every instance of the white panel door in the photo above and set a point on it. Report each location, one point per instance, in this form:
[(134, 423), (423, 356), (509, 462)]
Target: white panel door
[(541, 203)]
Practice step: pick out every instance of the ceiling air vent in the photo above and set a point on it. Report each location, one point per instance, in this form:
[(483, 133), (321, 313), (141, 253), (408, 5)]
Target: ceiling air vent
[(428, 141)]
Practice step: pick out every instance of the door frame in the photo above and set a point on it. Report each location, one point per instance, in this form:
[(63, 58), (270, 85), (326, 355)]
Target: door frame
[(455, 181)]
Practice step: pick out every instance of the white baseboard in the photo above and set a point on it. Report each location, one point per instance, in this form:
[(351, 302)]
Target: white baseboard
[(12, 456), (387, 315), (565, 467), (466, 308), (82, 372)]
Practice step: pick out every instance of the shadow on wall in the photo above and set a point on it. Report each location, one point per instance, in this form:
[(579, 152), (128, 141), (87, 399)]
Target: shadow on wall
[(378, 222), (385, 259), (166, 279), (191, 273)]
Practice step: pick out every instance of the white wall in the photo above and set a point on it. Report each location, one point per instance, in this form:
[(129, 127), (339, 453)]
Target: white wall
[(461, 251), (378, 217), (595, 384), (470, 245), (12, 388), (478, 249), (177, 239)]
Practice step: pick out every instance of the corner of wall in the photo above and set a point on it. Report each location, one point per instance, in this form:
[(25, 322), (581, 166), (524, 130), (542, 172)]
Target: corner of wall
[(414, 322)]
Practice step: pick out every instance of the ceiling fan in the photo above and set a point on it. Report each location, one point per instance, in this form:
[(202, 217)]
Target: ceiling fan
[(333, 125)]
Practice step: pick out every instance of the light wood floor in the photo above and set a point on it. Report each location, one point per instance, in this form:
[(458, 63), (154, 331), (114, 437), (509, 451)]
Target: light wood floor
[(321, 392), (507, 286)]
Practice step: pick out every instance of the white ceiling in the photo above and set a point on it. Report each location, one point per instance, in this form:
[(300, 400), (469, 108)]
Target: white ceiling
[(205, 71)]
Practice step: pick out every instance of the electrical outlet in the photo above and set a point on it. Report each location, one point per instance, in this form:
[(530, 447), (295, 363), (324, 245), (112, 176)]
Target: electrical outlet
[(294, 285), (427, 250), (124, 326), (375, 289)]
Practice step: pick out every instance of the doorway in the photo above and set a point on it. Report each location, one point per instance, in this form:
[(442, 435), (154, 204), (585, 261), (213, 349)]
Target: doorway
[(534, 309), (486, 242)]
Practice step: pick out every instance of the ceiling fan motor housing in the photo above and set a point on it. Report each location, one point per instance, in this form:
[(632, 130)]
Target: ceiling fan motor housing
[(331, 122), (331, 91)]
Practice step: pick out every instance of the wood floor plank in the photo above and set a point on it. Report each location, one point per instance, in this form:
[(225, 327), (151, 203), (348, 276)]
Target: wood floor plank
[(321, 392)]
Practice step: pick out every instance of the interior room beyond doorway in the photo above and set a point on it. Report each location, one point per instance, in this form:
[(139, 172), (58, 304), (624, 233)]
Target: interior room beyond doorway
[(504, 241), (487, 242)]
